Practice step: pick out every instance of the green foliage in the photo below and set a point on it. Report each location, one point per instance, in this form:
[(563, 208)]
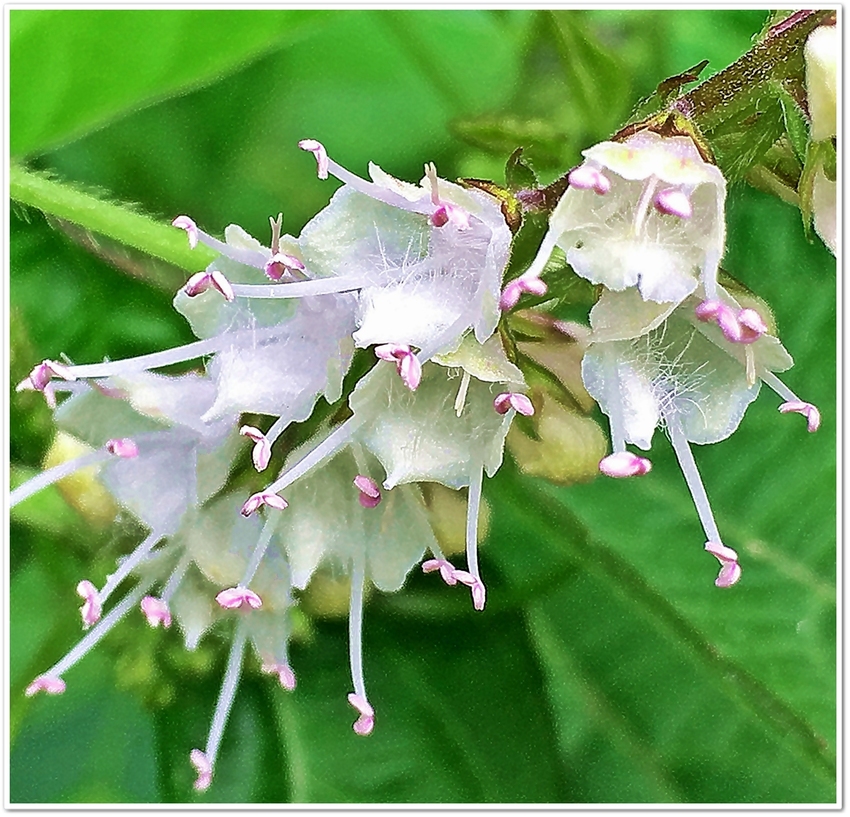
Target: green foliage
[(606, 667)]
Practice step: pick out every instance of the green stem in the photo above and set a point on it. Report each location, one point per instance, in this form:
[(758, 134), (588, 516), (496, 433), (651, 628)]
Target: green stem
[(62, 201)]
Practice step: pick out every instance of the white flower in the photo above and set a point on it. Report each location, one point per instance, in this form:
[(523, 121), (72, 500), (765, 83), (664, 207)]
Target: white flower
[(649, 365), (647, 213)]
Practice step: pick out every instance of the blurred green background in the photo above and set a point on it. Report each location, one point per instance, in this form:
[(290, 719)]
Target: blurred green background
[(606, 667)]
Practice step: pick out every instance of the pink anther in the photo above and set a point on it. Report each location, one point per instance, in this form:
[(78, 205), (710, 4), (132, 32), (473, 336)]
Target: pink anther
[(186, 223), (808, 411), (513, 290), (263, 498), (673, 201), (624, 464), (156, 611), (318, 150), (262, 451), (39, 379), (284, 673), (203, 768), (123, 447), (479, 592), (91, 609), (513, 400), (752, 325), (730, 570), (46, 683), (370, 492), (407, 364), (446, 568), (585, 177), (202, 281), (235, 597), (745, 326), (366, 722), (280, 264)]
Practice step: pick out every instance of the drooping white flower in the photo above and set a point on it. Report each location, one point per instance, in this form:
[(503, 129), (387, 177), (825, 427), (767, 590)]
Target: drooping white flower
[(647, 212), (649, 366)]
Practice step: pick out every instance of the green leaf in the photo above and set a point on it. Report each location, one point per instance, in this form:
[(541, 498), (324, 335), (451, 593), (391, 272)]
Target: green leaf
[(795, 122), (92, 744), (637, 655), (441, 711), (74, 70)]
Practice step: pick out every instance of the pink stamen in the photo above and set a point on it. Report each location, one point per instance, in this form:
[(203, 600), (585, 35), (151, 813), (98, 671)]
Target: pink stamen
[(280, 264), (156, 612), (203, 768), (263, 498), (262, 451), (318, 150), (91, 609), (366, 722), (479, 592), (585, 177), (407, 364), (284, 673), (730, 570), (202, 281), (186, 223), (39, 379), (445, 212), (808, 410), (513, 400), (752, 325), (235, 597), (124, 448), (370, 493), (673, 202), (624, 464), (746, 326), (46, 683), (446, 568), (513, 290)]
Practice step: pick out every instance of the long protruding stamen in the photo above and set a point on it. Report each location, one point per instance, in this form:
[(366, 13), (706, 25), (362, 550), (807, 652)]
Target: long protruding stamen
[(129, 564), (278, 427), (97, 632), (693, 479), (792, 402), (473, 579), (176, 577), (370, 189), (224, 703), (259, 551), (168, 357), (155, 609), (365, 723), (300, 289), (730, 570), (522, 284), (616, 421), (252, 258), (179, 354), (333, 443), (52, 475)]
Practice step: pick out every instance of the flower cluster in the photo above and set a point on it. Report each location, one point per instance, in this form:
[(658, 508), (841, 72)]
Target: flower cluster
[(413, 273), (669, 345)]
